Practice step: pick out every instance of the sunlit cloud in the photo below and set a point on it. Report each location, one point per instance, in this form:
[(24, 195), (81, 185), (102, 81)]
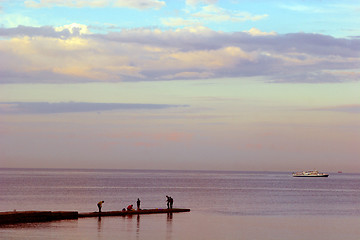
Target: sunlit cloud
[(176, 22), (257, 32), (72, 53), (140, 4), (137, 4), (210, 14), (197, 2), (217, 14), (74, 28), (65, 3)]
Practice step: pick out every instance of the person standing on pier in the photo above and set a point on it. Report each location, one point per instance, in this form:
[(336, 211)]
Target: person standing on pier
[(99, 205), (138, 204), (171, 202), (168, 201)]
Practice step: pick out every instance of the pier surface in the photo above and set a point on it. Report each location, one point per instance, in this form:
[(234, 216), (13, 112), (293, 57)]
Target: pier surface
[(46, 216), (133, 212)]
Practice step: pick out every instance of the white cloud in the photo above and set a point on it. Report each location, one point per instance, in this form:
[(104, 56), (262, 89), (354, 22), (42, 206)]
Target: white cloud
[(176, 22), (74, 28), (65, 3), (138, 4), (303, 8), (257, 32), (194, 3), (216, 14), (29, 54), (210, 14)]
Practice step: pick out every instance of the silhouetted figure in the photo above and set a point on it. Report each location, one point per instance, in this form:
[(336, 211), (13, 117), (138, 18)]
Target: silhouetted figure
[(99, 205), (168, 201), (138, 204), (171, 202)]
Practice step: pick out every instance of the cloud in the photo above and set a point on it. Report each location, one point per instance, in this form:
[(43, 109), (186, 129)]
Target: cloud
[(73, 54), (137, 4), (303, 8), (194, 3), (74, 28), (65, 3), (257, 32), (176, 22), (45, 31), (354, 108), (140, 4), (74, 107), (210, 14), (214, 13)]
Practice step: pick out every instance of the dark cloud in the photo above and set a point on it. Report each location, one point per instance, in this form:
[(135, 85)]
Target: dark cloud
[(73, 107)]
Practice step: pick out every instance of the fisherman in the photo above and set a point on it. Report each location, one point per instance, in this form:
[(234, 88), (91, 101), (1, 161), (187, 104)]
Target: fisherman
[(171, 202), (168, 201), (138, 204), (130, 207), (99, 205)]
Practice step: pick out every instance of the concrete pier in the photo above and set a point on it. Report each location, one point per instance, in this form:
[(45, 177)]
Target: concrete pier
[(134, 212), (47, 216), (35, 216)]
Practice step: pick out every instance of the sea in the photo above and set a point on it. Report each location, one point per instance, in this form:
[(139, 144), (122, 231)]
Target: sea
[(224, 205)]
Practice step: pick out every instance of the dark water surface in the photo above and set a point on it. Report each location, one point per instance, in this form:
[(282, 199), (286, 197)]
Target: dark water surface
[(224, 205)]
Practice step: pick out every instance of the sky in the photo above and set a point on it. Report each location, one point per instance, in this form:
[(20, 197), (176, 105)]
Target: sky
[(180, 85)]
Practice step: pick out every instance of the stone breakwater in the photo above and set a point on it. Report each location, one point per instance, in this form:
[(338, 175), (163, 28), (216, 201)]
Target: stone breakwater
[(35, 216), (47, 216)]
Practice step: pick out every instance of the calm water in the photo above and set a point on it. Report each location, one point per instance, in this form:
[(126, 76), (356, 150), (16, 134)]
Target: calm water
[(224, 205)]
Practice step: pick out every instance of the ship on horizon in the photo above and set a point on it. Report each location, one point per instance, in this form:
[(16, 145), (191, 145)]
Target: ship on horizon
[(313, 173)]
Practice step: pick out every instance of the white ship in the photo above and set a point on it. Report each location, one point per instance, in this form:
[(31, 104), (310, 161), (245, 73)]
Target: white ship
[(313, 173)]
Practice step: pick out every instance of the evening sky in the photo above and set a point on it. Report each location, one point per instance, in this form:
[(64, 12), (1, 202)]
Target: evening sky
[(197, 84)]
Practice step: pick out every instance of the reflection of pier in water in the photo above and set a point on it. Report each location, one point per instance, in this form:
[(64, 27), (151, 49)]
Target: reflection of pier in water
[(131, 224)]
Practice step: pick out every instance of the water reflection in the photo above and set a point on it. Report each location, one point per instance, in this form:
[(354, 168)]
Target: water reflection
[(137, 226), (99, 226), (132, 226), (169, 219), (129, 223)]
